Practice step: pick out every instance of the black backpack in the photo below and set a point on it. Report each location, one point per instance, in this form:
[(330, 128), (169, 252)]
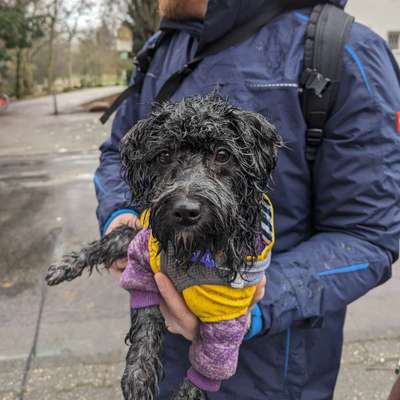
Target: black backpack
[(326, 35)]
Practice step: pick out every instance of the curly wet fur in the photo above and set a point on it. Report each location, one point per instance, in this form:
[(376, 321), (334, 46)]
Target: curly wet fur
[(189, 391), (103, 252), (230, 194), (191, 131), (143, 364)]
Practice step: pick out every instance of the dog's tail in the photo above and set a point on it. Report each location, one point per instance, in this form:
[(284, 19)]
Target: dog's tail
[(103, 252)]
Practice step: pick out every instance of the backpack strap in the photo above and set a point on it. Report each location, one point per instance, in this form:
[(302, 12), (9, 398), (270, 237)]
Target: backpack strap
[(235, 36), (326, 35)]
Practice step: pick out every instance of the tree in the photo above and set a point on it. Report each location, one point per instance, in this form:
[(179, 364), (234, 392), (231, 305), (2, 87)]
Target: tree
[(19, 27), (141, 16), (97, 58), (72, 14), (143, 21)]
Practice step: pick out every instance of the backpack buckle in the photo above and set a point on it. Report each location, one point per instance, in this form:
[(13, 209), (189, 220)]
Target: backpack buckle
[(186, 70), (314, 136), (311, 79), (313, 140)]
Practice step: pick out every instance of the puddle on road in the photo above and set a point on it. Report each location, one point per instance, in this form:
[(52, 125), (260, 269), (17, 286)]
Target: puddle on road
[(53, 169), (40, 200), (27, 176), (27, 240), (24, 265)]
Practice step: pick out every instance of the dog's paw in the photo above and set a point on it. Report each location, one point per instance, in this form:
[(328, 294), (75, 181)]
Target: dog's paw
[(66, 270), (56, 274), (188, 391)]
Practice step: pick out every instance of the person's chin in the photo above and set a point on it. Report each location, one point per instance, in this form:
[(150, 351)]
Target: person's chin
[(183, 9)]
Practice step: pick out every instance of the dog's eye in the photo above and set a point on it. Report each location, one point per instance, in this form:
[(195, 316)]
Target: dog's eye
[(165, 157), (222, 156)]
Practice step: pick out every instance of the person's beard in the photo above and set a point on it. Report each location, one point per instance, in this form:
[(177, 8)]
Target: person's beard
[(183, 9)]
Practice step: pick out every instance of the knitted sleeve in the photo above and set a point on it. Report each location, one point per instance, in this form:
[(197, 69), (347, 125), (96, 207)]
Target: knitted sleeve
[(214, 353), (138, 278)]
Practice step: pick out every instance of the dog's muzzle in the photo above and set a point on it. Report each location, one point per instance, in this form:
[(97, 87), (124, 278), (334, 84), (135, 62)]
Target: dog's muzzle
[(186, 211)]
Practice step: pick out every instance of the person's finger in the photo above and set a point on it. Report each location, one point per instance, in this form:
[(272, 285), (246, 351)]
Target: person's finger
[(117, 267), (124, 219), (168, 318), (120, 264), (138, 225), (260, 291), (171, 296)]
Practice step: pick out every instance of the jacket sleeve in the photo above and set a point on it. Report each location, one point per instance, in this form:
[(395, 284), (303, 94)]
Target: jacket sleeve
[(112, 192), (357, 197)]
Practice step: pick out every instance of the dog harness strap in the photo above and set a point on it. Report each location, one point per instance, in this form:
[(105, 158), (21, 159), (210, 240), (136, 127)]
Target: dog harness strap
[(236, 36)]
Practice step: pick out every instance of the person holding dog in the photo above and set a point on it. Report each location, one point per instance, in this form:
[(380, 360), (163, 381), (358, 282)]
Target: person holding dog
[(337, 223)]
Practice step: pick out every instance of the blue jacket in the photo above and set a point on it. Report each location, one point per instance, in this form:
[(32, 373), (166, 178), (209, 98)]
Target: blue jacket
[(314, 275)]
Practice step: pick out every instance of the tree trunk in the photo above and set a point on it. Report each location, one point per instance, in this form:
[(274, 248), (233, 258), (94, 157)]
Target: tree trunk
[(18, 75), (69, 63), (52, 36), (50, 68)]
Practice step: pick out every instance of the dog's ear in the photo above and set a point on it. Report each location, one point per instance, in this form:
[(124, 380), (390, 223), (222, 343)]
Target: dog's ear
[(262, 141), (136, 169), (138, 152)]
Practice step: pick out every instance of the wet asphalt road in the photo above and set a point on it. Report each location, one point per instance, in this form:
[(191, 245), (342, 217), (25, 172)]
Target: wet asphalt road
[(67, 342)]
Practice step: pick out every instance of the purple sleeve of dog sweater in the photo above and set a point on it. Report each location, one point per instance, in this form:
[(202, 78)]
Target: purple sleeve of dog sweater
[(214, 353), (138, 278)]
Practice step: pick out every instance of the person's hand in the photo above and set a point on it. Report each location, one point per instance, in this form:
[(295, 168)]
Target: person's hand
[(260, 292), (118, 266), (178, 318)]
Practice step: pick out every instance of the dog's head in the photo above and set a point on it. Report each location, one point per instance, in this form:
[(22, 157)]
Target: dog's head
[(202, 167)]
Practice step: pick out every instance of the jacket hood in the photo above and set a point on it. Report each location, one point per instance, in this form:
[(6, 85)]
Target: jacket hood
[(224, 15)]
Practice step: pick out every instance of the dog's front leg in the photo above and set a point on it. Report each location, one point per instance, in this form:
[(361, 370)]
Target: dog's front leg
[(143, 364), (188, 391), (104, 252)]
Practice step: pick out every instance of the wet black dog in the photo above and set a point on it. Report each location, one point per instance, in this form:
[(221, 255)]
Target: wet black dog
[(201, 168)]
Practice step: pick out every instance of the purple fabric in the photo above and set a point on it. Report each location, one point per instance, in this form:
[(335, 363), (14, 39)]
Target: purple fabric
[(202, 382), (138, 274), (138, 278), (206, 259), (214, 353), (143, 298)]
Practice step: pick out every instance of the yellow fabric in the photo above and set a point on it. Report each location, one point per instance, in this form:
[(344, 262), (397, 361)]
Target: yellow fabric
[(145, 218), (212, 303), (155, 259)]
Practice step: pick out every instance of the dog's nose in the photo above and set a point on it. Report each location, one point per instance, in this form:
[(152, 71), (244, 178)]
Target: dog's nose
[(186, 212)]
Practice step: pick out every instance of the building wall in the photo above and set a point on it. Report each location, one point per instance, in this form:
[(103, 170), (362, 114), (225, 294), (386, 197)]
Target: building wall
[(381, 16)]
